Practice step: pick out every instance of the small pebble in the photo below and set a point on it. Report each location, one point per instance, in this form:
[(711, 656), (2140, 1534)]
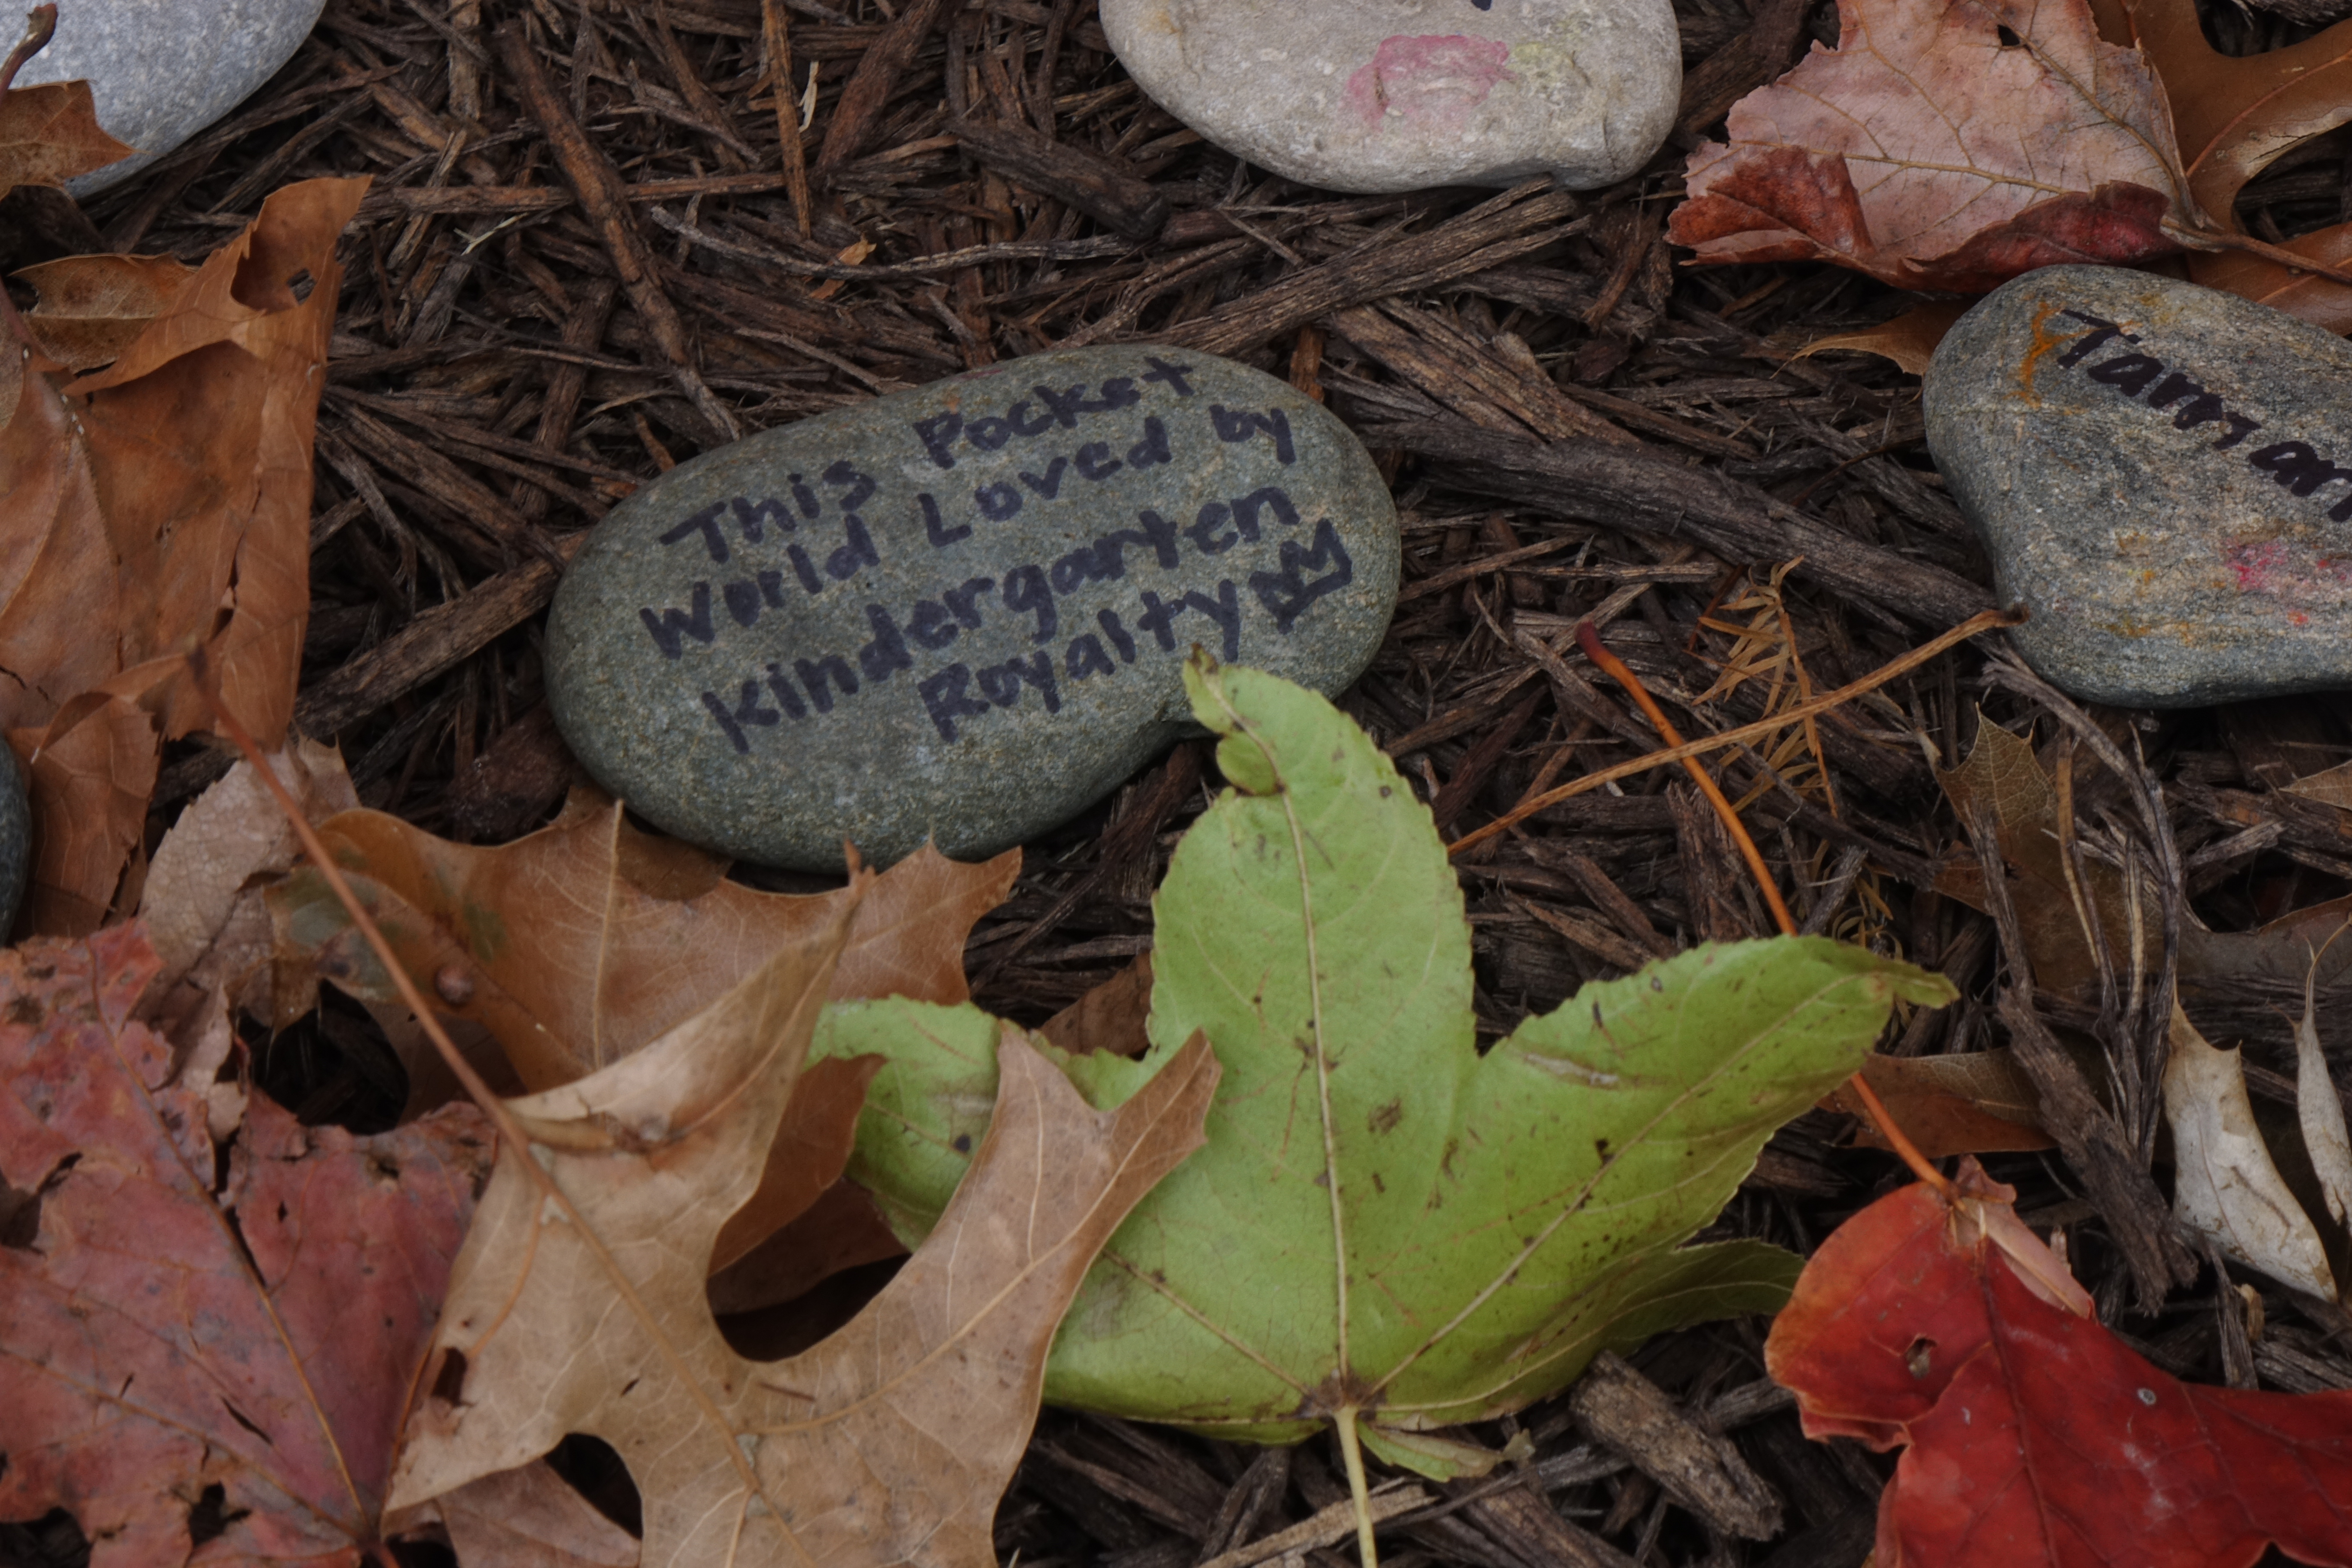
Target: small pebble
[(162, 70), (1395, 95), (2162, 475), (962, 611)]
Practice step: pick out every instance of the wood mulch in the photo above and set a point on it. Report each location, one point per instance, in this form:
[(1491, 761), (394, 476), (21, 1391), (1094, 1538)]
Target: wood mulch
[(599, 242)]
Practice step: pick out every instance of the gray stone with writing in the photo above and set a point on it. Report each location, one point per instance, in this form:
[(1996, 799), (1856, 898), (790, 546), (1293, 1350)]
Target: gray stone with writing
[(961, 612), (2163, 477)]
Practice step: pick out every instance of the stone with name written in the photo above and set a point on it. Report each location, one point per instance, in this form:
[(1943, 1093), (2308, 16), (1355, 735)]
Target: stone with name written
[(1395, 95), (962, 611), (161, 70), (2162, 475)]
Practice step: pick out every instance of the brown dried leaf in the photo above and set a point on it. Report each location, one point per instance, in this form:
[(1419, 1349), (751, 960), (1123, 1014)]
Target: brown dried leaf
[(888, 1443), (50, 133), (1110, 1017), (1909, 339), (88, 772), (1945, 146), (1978, 1102), (577, 944), (94, 306), (153, 508), (204, 902), (526, 1518), (2003, 773)]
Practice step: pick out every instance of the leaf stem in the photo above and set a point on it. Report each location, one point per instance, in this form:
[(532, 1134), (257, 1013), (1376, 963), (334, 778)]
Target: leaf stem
[(2209, 239), (1352, 1453), (1587, 637), (1894, 1135)]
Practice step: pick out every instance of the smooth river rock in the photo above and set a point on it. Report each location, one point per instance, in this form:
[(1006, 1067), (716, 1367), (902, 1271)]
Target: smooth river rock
[(162, 70), (962, 611), (2162, 475), (1394, 95)]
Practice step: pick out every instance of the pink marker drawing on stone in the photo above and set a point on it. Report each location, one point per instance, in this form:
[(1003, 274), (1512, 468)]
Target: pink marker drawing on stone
[(1434, 79)]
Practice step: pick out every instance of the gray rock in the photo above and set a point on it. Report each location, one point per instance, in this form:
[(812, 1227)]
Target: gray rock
[(2163, 476), (1393, 95), (162, 70), (15, 840), (962, 611)]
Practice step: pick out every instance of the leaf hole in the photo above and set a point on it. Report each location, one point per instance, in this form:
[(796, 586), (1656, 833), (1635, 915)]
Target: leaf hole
[(594, 1468), (301, 285), (1920, 1357), (54, 1538), (2010, 40), (449, 1381), (210, 1518)]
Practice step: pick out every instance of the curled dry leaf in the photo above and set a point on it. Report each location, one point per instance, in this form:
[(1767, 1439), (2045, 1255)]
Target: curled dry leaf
[(2031, 1436), (164, 1333), (2233, 117), (888, 1443), (2225, 1185), (152, 508), (2003, 773), (1945, 146), (1978, 1102), (577, 944), (1388, 1230), (204, 903), (1909, 339)]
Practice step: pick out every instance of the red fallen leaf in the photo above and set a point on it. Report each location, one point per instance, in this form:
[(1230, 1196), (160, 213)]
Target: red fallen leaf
[(1945, 146), (158, 1336), (2034, 1435)]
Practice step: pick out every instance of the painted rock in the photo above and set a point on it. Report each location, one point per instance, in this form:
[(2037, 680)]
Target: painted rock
[(1393, 95), (162, 70), (961, 612), (2163, 477), (15, 840)]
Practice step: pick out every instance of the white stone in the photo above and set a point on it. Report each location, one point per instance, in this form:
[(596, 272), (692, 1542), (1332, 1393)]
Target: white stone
[(1393, 95), (162, 70)]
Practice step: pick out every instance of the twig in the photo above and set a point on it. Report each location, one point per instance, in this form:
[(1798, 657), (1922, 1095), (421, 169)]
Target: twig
[(859, 108), (604, 198), (1976, 625), (778, 39), (40, 27)]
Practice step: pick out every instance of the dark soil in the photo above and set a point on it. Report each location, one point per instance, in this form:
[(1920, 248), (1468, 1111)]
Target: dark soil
[(1530, 369)]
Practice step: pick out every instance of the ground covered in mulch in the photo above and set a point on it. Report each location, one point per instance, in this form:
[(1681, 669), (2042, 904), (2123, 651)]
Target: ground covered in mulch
[(1573, 426)]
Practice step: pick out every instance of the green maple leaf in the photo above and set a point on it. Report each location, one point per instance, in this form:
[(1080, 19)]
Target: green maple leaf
[(1388, 1231)]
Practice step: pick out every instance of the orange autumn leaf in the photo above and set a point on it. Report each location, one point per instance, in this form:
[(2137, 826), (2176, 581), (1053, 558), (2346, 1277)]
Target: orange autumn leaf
[(1945, 146)]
